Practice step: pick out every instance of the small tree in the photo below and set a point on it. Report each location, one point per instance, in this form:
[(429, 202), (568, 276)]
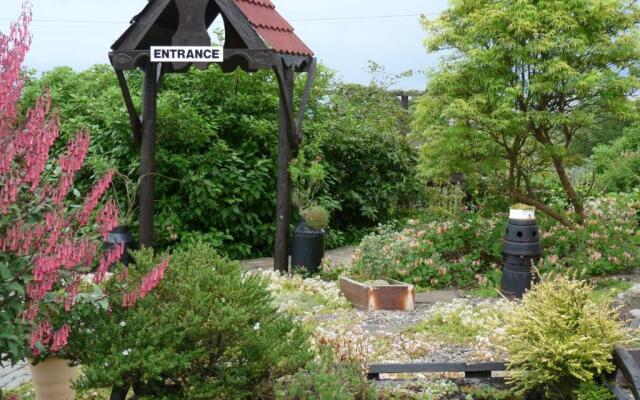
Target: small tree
[(47, 245), (521, 81)]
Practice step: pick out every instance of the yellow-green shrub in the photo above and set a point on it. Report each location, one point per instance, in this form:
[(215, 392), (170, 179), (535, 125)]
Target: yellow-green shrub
[(559, 338)]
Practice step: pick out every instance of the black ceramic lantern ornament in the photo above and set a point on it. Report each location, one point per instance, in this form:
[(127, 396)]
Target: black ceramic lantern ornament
[(522, 249), (120, 235)]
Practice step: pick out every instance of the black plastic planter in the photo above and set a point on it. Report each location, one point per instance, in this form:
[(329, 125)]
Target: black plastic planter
[(307, 249), (522, 249), (120, 235)]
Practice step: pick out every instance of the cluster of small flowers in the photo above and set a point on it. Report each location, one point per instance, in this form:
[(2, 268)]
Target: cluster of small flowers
[(149, 282), (44, 335), (53, 246)]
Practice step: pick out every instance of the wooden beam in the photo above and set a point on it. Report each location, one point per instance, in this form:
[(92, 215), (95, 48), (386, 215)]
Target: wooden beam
[(283, 206), (134, 119), (148, 153), (479, 370), (628, 366), (255, 59)]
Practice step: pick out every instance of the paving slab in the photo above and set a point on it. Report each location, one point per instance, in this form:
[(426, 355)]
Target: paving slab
[(337, 256), (437, 296), (12, 377)]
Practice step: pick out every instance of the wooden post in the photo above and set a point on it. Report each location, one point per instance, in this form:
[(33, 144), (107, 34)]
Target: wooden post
[(404, 99), (148, 153), (283, 207)]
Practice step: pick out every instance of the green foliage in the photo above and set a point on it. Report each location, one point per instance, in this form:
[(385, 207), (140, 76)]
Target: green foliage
[(307, 180), (559, 338), (434, 254), (485, 392), (327, 378), (209, 330), (370, 164), (606, 244), (623, 175), (521, 84), (464, 249), (217, 150), (316, 217), (592, 391)]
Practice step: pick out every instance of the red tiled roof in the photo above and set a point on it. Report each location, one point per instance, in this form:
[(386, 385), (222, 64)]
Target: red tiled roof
[(273, 28)]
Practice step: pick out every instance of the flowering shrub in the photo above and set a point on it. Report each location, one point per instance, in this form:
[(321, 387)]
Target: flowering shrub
[(465, 249), (434, 254), (608, 243), (208, 331), (47, 245)]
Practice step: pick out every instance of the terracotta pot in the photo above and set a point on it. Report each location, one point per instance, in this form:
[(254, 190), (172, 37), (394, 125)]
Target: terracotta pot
[(53, 379)]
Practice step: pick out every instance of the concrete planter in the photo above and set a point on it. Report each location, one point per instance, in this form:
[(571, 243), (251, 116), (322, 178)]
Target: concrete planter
[(394, 296), (53, 379)]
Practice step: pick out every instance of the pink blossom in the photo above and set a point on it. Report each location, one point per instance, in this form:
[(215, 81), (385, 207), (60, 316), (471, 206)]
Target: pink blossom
[(107, 218), (92, 199), (60, 338), (109, 258), (149, 282), (153, 278)]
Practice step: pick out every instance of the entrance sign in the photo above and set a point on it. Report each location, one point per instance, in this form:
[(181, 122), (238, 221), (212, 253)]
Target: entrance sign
[(189, 54)]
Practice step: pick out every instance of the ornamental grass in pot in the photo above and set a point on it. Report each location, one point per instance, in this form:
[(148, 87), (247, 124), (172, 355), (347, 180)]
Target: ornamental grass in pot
[(308, 245)]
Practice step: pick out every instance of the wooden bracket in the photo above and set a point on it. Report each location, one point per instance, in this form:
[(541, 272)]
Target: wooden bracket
[(294, 124), (135, 120)]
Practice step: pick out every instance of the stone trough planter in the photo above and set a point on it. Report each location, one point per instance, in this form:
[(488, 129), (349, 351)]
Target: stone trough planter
[(380, 295)]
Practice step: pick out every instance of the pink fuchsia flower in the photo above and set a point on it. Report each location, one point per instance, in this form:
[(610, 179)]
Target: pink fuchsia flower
[(42, 336), (108, 259), (149, 282), (60, 338), (107, 218), (92, 199)]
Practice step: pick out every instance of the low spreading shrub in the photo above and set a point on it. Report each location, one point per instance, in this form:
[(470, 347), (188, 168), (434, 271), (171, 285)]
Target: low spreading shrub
[(434, 254), (607, 243), (327, 378), (209, 331), (593, 391), (465, 249), (559, 338)]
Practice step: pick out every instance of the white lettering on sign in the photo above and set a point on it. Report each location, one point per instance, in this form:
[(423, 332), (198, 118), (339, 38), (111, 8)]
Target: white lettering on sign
[(187, 54)]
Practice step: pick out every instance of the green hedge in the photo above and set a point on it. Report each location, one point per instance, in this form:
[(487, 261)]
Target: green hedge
[(217, 146)]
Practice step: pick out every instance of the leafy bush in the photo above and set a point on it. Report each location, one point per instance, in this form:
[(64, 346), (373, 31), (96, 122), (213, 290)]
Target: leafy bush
[(327, 378), (217, 150), (624, 173), (209, 331), (593, 391), (433, 254), (607, 243), (464, 248), (559, 338)]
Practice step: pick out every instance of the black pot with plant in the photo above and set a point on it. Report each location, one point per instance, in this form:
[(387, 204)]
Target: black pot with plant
[(307, 249), (308, 181)]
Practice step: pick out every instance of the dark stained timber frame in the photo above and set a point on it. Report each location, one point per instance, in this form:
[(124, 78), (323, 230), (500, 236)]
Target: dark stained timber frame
[(185, 23)]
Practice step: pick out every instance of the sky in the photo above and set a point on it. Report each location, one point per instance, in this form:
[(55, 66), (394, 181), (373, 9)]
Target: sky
[(344, 34)]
